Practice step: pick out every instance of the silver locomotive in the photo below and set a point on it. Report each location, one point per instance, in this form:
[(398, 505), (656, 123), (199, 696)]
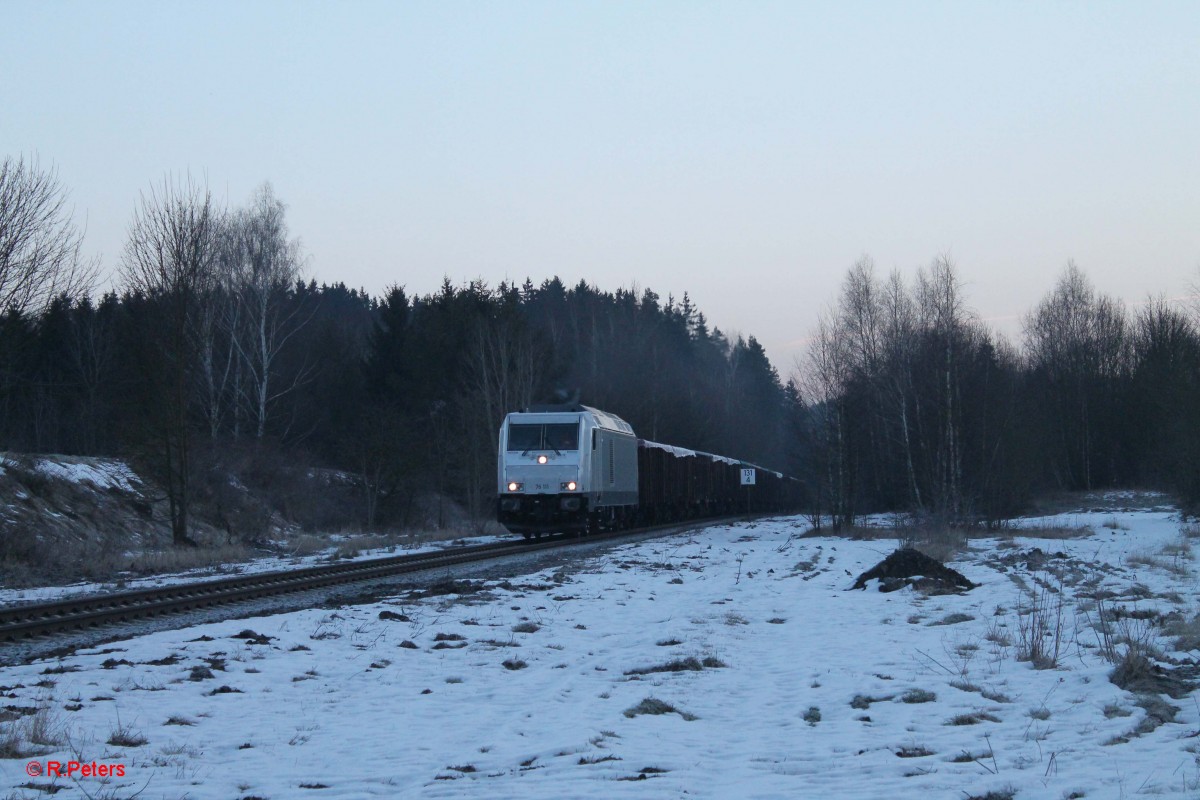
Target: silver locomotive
[(564, 468)]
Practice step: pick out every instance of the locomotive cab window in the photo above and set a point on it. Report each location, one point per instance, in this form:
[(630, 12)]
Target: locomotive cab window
[(553, 436), (562, 437), (524, 437)]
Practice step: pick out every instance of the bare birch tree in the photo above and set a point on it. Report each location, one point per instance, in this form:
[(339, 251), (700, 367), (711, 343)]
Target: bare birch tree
[(266, 264), (216, 321), (944, 322), (899, 323)]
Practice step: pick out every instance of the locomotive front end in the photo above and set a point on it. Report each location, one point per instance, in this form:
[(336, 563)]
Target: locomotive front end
[(541, 480)]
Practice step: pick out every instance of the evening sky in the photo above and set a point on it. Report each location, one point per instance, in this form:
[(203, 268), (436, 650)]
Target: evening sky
[(747, 153)]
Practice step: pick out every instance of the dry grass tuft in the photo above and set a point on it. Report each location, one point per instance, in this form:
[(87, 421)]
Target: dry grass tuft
[(1186, 633), (1007, 793), (123, 736), (1174, 565), (1041, 628), (914, 751), (1114, 710), (918, 696), (690, 664), (184, 559), (38, 731), (656, 707), (972, 718)]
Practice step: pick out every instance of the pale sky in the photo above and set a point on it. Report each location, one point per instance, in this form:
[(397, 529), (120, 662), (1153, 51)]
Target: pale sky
[(745, 152)]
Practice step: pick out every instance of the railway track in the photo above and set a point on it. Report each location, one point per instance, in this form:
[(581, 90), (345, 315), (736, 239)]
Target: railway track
[(23, 622)]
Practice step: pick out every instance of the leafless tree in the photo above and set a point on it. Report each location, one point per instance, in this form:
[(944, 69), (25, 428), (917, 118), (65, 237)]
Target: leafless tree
[(91, 352), (217, 317), (823, 384), (502, 370), (1077, 341), (170, 256), (860, 323), (944, 319), (501, 374), (266, 264), (859, 316), (899, 323), (1193, 298), (39, 243)]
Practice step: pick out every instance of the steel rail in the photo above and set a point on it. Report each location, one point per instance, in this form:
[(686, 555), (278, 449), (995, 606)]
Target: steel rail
[(92, 611)]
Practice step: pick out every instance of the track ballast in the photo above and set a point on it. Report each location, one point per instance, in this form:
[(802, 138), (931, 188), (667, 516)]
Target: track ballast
[(18, 623)]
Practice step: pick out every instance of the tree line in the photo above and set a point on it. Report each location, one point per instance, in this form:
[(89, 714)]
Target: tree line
[(214, 351), (911, 402), (213, 345)]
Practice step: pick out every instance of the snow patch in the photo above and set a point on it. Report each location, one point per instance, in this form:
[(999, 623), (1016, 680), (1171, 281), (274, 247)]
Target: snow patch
[(101, 473)]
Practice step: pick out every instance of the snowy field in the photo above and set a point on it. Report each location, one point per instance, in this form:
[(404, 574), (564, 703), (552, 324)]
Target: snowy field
[(730, 662)]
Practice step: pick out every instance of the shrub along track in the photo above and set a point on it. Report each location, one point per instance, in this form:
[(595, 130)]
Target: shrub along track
[(24, 622)]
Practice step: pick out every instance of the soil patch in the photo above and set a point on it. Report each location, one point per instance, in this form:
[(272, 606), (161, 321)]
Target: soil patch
[(909, 567)]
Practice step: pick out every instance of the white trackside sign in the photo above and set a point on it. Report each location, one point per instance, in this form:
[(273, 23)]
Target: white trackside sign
[(748, 476)]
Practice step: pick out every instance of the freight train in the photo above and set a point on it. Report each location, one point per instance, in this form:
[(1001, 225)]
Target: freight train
[(572, 468)]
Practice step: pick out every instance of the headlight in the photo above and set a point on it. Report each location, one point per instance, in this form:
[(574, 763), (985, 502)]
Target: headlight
[(513, 486), (542, 459), (569, 486)]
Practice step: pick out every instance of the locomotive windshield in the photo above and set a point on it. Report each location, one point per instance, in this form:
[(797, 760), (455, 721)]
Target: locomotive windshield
[(523, 437)]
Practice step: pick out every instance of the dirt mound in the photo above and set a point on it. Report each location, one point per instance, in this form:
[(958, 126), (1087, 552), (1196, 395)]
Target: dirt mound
[(909, 567)]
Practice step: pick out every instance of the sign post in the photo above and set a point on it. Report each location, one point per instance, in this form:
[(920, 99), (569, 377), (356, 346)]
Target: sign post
[(749, 477)]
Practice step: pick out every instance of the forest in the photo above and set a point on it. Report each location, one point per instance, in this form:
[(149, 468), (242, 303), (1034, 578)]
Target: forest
[(213, 351), (909, 402)]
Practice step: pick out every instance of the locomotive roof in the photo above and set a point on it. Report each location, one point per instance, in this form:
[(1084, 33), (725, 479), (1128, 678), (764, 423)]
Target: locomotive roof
[(603, 419), (610, 421)]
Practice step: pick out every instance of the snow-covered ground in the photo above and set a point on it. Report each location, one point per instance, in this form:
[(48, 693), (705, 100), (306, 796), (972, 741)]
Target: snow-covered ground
[(99, 473), (534, 688)]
